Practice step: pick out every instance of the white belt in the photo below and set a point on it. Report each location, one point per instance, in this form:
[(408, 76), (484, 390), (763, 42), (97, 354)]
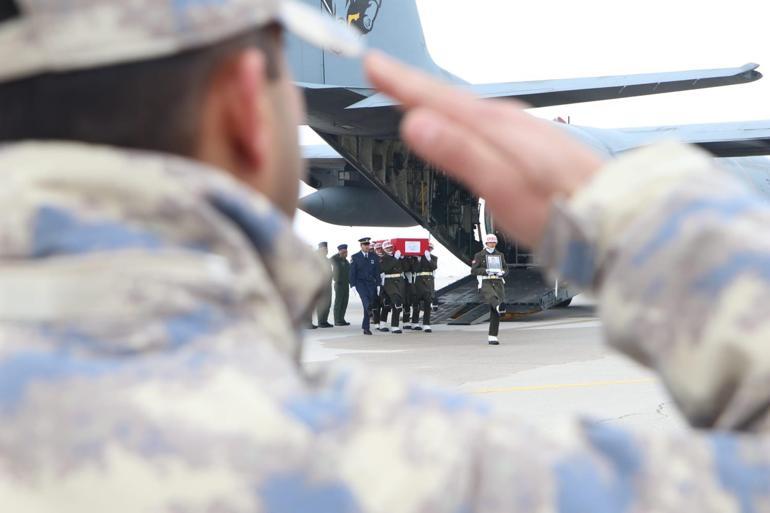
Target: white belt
[(392, 276), (424, 274), (491, 278)]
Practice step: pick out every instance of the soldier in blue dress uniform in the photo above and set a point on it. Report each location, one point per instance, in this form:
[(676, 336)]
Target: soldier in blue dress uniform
[(364, 276)]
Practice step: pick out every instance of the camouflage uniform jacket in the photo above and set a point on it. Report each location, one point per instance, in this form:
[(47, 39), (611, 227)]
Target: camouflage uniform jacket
[(148, 362)]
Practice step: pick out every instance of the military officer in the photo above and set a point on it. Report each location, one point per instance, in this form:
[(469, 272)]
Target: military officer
[(341, 277), (325, 301), (364, 276), (393, 283), (489, 265), (424, 289)]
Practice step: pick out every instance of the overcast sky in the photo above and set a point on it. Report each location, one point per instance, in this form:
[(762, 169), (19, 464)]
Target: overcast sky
[(485, 41)]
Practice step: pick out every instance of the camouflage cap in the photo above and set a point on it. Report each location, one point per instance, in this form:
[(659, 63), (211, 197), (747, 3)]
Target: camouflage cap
[(58, 35)]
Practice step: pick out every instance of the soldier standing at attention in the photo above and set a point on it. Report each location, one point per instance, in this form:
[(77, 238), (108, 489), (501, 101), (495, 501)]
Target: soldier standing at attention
[(325, 301), (424, 289), (364, 276), (489, 264), (341, 276), (393, 283)]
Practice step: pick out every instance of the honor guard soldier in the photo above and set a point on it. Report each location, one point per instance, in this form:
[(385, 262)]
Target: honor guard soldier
[(489, 264), (393, 283), (383, 303), (409, 266), (364, 276), (341, 277), (325, 300), (424, 289)]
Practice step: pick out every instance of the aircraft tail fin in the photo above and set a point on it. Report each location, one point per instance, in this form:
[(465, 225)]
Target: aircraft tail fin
[(390, 25)]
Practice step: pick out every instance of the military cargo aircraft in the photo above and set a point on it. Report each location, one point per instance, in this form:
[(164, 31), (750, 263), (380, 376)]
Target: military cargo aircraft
[(368, 177)]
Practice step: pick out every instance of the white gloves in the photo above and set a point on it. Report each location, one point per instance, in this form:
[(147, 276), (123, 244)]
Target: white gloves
[(427, 255), (397, 254), (382, 279)]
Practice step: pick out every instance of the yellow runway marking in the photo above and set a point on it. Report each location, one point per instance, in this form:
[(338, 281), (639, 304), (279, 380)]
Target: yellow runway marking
[(559, 386)]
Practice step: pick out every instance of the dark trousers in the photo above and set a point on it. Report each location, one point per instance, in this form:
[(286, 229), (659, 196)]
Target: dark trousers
[(385, 305), (323, 306), (494, 321), (423, 305), (396, 313), (341, 296), (407, 305), (367, 293)]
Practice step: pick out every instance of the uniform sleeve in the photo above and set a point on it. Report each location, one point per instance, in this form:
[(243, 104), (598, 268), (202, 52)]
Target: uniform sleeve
[(353, 274), (505, 265), (336, 268), (678, 254), (385, 444), (433, 263), (479, 265)]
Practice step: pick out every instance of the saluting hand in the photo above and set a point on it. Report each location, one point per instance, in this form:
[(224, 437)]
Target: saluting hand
[(516, 162)]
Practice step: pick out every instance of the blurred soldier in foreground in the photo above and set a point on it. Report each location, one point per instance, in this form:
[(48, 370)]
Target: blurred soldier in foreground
[(424, 288), (393, 284), (364, 276), (150, 300), (490, 266), (341, 274), (325, 301)]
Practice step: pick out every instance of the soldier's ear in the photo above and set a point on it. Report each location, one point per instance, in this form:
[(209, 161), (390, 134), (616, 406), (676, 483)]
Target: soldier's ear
[(245, 107), (233, 134)]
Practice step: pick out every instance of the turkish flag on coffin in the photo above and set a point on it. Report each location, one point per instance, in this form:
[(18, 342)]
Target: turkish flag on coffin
[(410, 247)]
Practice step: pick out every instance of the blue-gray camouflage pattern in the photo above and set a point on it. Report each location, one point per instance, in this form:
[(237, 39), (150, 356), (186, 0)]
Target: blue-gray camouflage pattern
[(149, 341)]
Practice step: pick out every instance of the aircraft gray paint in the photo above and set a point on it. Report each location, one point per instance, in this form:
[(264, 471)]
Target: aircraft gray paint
[(369, 170)]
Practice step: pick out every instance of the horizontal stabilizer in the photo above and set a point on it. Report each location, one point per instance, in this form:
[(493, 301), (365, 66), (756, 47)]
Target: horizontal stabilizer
[(321, 153), (544, 93), (745, 139)]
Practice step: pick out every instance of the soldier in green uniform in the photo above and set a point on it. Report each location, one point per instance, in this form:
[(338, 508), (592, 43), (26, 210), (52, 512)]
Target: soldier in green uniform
[(409, 265), (489, 264), (424, 289), (341, 277), (393, 283)]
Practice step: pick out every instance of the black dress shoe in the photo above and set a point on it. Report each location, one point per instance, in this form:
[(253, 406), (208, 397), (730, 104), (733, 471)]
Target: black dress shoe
[(325, 325), (367, 332), (312, 327), (417, 328), (343, 323)]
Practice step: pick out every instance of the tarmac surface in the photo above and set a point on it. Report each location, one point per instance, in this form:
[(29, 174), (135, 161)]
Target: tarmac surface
[(549, 368)]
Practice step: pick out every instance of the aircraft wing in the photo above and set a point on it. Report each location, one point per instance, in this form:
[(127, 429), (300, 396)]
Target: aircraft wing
[(544, 93), (745, 139)]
